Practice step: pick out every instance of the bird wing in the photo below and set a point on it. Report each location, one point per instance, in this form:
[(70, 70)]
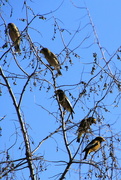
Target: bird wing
[(69, 104), (84, 125), (91, 145), (54, 56)]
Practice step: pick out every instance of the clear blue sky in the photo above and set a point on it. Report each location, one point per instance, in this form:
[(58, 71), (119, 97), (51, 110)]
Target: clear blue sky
[(106, 16)]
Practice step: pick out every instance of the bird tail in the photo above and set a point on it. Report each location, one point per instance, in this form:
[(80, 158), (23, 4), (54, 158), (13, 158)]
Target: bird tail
[(59, 72), (86, 153), (72, 115), (17, 48), (79, 136), (72, 111), (78, 139)]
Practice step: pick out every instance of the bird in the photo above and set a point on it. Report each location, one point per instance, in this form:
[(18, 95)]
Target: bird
[(52, 59), (84, 126), (15, 36), (64, 101), (94, 145)]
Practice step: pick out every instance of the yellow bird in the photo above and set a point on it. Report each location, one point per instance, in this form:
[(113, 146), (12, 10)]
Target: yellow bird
[(64, 101), (52, 59), (94, 145), (84, 126), (15, 36)]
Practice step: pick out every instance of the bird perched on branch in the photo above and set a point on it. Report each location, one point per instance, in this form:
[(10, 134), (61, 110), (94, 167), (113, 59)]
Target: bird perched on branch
[(64, 101), (94, 145), (15, 36), (84, 126), (52, 59)]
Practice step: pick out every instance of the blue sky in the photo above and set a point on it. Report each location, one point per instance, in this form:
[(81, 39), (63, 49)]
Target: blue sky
[(106, 17)]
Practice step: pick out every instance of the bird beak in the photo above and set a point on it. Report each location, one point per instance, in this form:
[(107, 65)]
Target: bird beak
[(94, 121)]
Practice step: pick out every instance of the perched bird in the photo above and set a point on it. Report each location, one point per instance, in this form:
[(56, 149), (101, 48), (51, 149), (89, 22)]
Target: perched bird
[(64, 101), (52, 59), (15, 36), (94, 145), (84, 126)]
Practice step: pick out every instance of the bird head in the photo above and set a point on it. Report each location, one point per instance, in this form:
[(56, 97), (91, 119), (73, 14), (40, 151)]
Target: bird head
[(92, 120), (59, 91), (99, 138), (44, 50), (11, 26)]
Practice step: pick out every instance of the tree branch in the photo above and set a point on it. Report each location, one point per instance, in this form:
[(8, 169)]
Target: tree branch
[(23, 127)]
